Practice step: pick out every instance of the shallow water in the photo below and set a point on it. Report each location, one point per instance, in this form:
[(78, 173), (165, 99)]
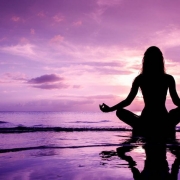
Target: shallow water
[(91, 153)]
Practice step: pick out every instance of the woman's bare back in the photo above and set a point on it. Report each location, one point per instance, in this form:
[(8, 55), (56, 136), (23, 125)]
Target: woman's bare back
[(154, 90)]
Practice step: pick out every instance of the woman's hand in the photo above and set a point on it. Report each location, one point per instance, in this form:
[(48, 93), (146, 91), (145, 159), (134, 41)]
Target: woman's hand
[(104, 108)]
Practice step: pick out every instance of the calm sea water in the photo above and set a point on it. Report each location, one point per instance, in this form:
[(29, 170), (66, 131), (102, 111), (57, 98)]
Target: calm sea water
[(29, 129), (58, 119), (54, 145)]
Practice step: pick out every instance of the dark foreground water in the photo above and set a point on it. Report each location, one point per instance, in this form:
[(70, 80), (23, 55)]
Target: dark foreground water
[(53, 145)]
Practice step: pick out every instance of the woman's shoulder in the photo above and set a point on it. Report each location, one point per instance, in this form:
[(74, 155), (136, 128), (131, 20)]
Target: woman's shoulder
[(169, 77), (141, 77), (137, 79)]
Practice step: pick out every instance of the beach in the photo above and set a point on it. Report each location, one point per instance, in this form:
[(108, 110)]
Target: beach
[(69, 71), (82, 153)]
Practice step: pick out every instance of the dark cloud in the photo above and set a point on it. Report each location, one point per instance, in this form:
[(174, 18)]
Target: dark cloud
[(45, 79), (51, 81)]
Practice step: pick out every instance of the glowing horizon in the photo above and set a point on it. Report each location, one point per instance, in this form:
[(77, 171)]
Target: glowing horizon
[(73, 55)]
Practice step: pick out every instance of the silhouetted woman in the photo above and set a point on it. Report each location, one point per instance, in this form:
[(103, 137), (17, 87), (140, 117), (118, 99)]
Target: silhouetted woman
[(154, 84)]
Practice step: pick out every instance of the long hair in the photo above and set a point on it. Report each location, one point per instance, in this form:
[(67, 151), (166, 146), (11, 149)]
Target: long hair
[(153, 62)]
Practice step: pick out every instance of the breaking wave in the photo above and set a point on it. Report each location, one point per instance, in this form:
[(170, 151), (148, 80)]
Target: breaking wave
[(24, 129)]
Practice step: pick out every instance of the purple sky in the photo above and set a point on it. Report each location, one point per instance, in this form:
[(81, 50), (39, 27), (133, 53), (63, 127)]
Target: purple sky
[(65, 55)]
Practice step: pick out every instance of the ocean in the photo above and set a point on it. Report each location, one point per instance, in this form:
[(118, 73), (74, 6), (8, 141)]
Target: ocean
[(71, 145)]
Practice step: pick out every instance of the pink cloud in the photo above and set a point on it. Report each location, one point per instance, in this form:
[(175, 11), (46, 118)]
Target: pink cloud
[(41, 14), (15, 18), (108, 3), (111, 71), (94, 98), (13, 77), (108, 96), (3, 39), (24, 40), (58, 18), (32, 31), (77, 23), (76, 86), (57, 39)]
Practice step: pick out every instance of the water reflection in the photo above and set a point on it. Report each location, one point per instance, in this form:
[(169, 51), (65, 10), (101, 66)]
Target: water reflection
[(155, 165)]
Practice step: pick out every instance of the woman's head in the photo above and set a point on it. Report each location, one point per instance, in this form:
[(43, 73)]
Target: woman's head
[(153, 61)]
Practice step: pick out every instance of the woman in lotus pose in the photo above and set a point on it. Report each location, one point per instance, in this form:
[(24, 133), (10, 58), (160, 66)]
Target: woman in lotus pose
[(154, 84)]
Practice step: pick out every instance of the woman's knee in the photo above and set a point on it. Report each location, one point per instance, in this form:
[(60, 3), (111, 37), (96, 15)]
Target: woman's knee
[(174, 117)]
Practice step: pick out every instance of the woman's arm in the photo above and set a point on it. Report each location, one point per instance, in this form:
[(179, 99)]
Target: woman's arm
[(173, 92), (124, 103)]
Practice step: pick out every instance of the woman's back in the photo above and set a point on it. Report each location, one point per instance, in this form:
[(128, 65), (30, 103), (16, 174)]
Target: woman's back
[(154, 90)]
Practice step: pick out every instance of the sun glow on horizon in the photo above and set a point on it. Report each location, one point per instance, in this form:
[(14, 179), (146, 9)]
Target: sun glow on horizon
[(79, 53)]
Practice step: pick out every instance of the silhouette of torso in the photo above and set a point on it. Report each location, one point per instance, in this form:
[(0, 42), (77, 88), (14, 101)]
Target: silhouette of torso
[(154, 90)]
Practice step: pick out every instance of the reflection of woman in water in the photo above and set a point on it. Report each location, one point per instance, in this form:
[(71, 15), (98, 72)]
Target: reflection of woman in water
[(154, 84), (155, 165)]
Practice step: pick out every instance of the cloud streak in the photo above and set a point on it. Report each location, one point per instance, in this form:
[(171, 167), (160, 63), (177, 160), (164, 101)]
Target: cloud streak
[(45, 79), (48, 81), (51, 86)]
